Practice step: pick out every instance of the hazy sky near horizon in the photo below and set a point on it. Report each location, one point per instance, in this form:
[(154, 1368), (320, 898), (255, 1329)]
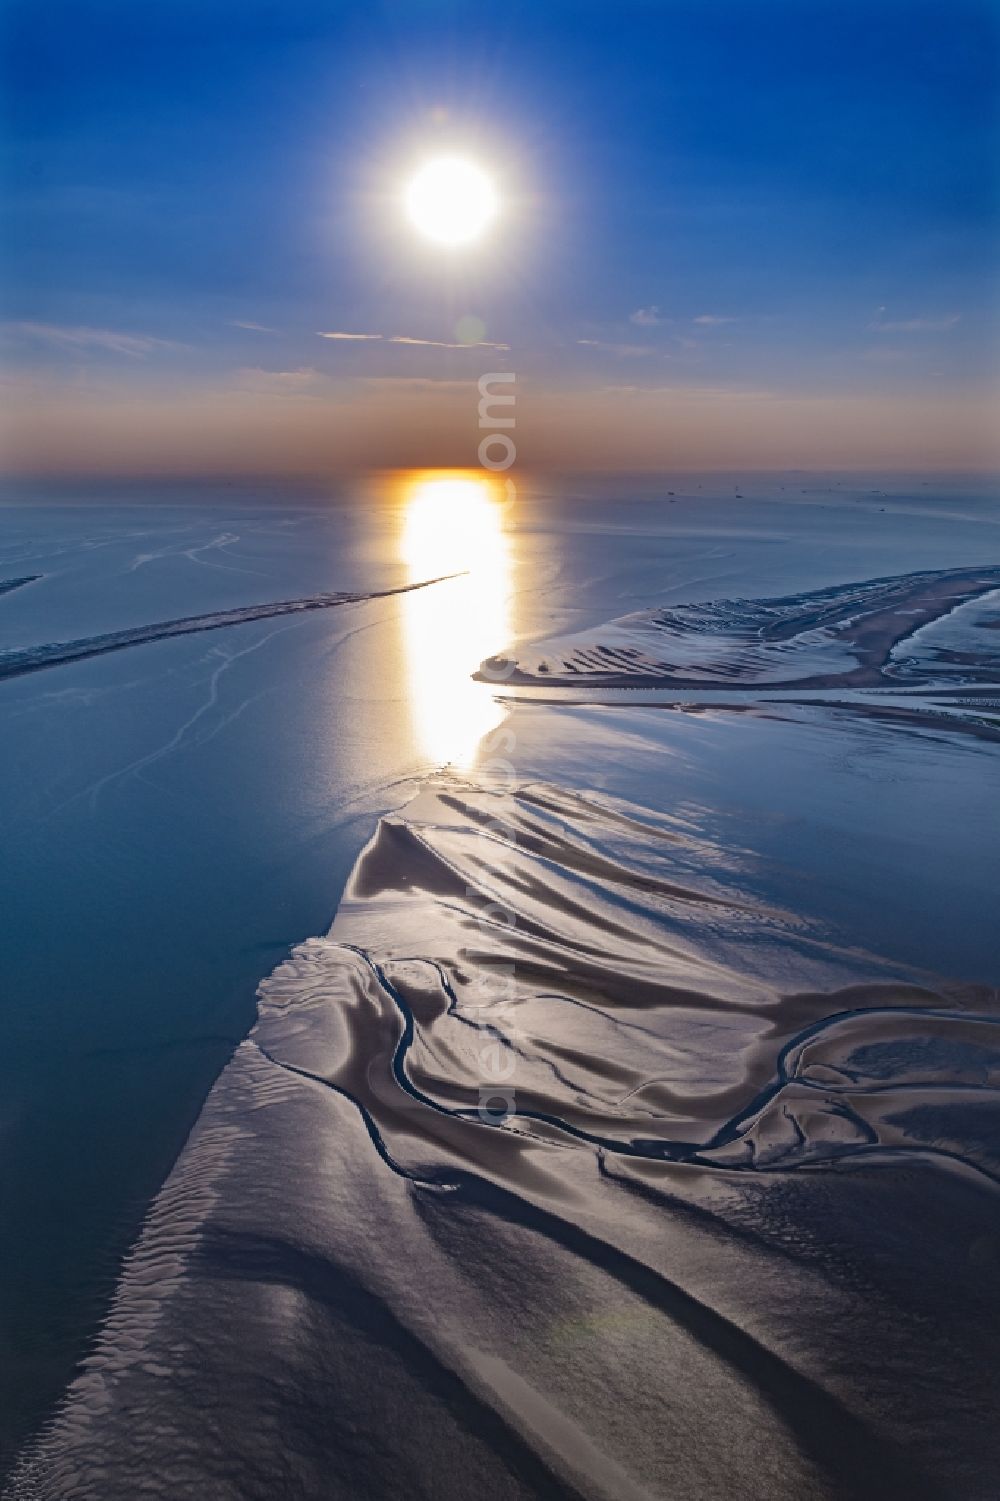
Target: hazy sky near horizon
[(735, 232)]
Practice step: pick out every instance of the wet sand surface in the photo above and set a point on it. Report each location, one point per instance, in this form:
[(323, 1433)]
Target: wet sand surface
[(736, 1229), (747, 643), (15, 663), (695, 1259)]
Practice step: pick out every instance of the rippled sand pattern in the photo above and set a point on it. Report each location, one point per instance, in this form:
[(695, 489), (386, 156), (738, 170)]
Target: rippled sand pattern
[(739, 1236), (849, 636)]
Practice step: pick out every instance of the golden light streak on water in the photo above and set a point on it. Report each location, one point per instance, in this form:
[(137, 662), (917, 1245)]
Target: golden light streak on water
[(453, 522)]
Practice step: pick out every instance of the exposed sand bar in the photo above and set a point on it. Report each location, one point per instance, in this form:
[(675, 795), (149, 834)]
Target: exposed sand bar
[(21, 660), (748, 1188), (841, 637), (6, 585)]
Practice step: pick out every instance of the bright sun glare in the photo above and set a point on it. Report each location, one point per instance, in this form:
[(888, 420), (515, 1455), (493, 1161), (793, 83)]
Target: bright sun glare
[(453, 523), (451, 200)]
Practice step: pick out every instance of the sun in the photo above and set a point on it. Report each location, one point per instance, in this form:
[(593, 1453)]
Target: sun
[(451, 201)]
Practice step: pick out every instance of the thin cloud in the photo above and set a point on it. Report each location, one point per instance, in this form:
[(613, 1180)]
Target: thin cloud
[(350, 337), (623, 351), (423, 343), (440, 344), (110, 339), (711, 320), (254, 328), (914, 325), (305, 381), (646, 317)]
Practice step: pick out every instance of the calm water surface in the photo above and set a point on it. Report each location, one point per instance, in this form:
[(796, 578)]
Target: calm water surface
[(177, 814)]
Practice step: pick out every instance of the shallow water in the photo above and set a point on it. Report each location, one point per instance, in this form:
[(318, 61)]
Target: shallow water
[(207, 816)]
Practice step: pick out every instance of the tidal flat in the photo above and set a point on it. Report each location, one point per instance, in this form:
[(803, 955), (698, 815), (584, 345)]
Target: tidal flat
[(522, 1082)]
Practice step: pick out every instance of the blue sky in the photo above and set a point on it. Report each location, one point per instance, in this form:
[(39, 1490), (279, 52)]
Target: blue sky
[(790, 198)]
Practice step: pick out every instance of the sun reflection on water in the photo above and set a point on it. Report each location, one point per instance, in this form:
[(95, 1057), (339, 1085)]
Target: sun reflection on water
[(453, 523)]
